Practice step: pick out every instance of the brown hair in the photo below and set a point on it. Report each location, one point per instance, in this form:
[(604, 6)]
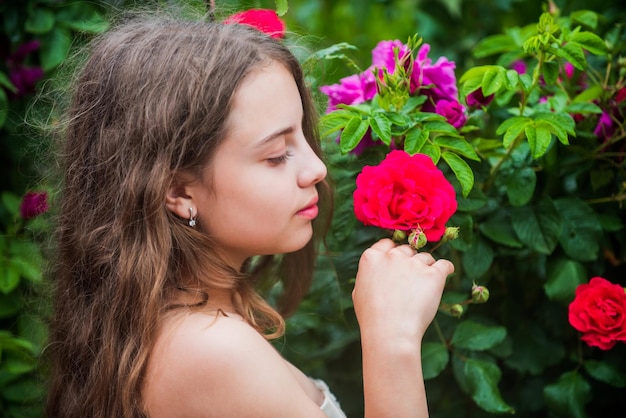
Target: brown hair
[(150, 102)]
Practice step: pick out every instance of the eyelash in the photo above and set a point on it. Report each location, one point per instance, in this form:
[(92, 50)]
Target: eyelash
[(282, 159)]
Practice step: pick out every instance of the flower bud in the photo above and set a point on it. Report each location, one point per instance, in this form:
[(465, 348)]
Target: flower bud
[(417, 239), (456, 310), (480, 294), (398, 235), (451, 233)]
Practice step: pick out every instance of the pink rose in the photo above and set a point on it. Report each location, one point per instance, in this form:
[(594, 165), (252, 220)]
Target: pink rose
[(351, 90), (453, 111), (33, 204), (405, 192), (599, 312), (265, 20)]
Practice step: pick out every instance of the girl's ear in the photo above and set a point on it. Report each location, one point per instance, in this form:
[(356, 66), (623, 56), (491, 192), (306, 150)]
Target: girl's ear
[(178, 200)]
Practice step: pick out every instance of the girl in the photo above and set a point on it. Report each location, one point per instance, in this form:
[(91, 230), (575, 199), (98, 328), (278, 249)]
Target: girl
[(192, 171)]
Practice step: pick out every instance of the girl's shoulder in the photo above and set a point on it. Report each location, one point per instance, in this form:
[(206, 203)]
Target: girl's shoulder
[(209, 365)]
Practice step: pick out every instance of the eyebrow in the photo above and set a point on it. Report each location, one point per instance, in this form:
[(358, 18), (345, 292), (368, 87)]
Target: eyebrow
[(274, 135)]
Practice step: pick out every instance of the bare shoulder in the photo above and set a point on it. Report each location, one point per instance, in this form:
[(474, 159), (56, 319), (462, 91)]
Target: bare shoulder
[(203, 366)]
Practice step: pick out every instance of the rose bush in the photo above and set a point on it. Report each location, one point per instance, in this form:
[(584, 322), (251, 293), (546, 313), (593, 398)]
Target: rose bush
[(403, 193), (599, 312)]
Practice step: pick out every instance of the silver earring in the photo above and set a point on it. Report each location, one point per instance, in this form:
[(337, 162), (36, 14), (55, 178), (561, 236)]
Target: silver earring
[(192, 219)]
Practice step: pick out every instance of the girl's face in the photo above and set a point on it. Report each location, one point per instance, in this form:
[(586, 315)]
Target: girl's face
[(262, 197)]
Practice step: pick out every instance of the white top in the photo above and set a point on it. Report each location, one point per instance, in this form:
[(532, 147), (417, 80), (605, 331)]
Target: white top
[(330, 406)]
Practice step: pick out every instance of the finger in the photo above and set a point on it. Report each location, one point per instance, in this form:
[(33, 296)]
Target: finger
[(427, 258), (444, 266), (405, 249), (384, 244)]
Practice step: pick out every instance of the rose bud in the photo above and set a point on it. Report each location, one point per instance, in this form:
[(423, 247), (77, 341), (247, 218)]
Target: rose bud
[(398, 235), (451, 233), (456, 310), (480, 294), (417, 239)]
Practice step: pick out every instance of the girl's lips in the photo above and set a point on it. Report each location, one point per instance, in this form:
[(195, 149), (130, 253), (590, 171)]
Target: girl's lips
[(309, 212)]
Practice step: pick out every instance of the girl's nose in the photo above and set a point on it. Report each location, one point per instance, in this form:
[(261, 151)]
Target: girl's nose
[(313, 171)]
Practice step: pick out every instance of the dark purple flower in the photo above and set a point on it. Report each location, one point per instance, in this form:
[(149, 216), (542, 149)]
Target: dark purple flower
[(24, 78), (33, 204), (478, 99)]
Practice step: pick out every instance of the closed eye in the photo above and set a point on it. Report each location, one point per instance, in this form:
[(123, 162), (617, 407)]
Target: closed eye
[(281, 159)]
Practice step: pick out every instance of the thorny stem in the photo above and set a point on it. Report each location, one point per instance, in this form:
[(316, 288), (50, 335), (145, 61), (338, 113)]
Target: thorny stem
[(439, 332)]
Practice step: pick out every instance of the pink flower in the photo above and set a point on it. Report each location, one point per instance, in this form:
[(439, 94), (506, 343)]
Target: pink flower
[(265, 20), (383, 55), (405, 192), (519, 66), (354, 89), (453, 111), (604, 128), (599, 312), (33, 204), (440, 77)]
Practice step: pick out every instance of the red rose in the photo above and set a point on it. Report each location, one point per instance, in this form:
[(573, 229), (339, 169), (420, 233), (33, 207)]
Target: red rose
[(33, 204), (265, 20), (599, 312), (405, 192)]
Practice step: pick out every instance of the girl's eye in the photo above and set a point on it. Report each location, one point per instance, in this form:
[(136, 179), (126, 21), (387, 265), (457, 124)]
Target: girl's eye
[(280, 159)]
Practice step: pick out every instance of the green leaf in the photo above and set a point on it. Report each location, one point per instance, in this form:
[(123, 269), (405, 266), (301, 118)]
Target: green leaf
[(520, 186), (585, 17), (9, 278), (538, 226), (568, 396), (589, 41), (563, 278), (500, 231), (583, 108), (512, 128), (478, 258), (334, 121), (353, 133), (461, 170), (493, 80), (414, 140), (482, 379), (495, 44), (604, 372), (95, 23), (26, 268), (54, 48), (574, 54), (6, 82), (432, 150), (582, 232), (539, 137), (460, 145), (381, 127), (474, 336), (533, 351), (589, 94), (39, 21), (550, 71), (435, 358), (281, 7)]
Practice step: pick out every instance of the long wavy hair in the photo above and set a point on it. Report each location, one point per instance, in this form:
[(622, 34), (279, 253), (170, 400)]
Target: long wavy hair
[(150, 102)]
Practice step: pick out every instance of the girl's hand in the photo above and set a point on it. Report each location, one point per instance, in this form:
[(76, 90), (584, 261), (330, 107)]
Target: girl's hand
[(398, 291)]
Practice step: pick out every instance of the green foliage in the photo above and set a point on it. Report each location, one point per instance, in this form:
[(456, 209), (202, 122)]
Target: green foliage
[(540, 210)]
